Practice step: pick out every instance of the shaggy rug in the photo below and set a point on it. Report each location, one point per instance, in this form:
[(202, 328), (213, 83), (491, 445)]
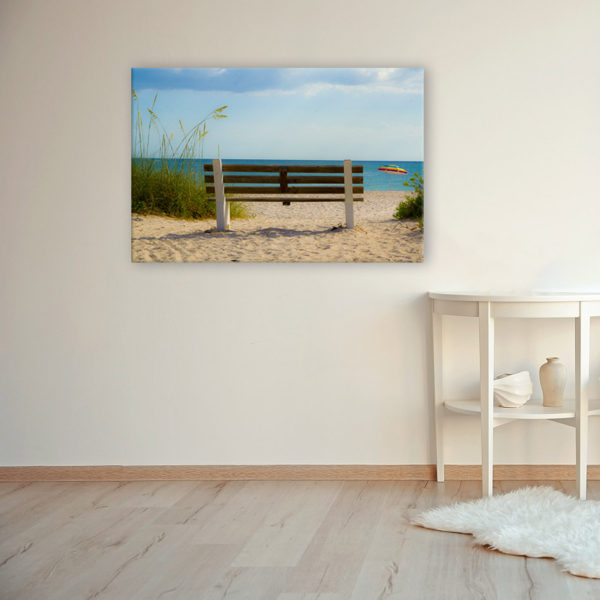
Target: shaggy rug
[(533, 521)]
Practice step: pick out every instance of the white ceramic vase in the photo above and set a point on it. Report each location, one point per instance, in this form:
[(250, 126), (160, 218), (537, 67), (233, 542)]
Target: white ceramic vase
[(553, 376)]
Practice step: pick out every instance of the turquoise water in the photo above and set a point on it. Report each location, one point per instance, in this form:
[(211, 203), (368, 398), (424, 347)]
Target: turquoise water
[(374, 180)]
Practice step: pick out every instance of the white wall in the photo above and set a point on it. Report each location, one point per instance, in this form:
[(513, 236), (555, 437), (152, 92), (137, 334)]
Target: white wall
[(107, 362)]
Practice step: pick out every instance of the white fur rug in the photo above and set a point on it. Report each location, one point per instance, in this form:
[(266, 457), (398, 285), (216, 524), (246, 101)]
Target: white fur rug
[(533, 521)]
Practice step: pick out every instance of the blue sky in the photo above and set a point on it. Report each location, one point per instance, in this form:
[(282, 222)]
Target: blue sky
[(315, 114)]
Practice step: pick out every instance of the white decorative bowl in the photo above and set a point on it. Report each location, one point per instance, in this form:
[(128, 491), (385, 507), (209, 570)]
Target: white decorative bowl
[(512, 390)]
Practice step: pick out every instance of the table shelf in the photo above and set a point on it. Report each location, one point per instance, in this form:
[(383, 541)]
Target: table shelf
[(532, 410)]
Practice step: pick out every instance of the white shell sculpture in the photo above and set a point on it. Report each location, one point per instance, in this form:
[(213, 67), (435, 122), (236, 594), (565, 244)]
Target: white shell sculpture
[(512, 390)]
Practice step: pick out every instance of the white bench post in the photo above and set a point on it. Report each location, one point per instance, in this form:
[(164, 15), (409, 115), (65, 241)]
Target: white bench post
[(349, 201), (222, 206)]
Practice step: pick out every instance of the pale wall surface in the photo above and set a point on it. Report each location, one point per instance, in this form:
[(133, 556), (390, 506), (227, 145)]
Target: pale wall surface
[(107, 362)]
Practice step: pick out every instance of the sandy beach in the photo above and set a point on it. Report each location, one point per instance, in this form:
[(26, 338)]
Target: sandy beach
[(301, 232)]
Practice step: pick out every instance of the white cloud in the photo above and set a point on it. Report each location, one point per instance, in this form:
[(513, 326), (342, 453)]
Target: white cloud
[(314, 89), (384, 74)]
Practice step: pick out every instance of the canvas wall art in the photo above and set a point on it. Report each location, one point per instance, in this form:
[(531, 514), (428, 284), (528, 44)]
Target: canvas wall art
[(277, 165)]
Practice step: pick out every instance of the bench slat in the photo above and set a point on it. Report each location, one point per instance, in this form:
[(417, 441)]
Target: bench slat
[(274, 189), (244, 178), (291, 168), (339, 179), (288, 199)]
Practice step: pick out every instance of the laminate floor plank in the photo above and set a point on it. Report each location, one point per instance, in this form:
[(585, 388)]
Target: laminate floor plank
[(186, 572), (117, 568), (288, 528), (152, 494), (333, 559), (201, 503), (259, 540), (25, 502), (188, 569), (238, 519), (248, 583), (28, 532), (8, 487), (162, 545), (302, 596), (49, 567), (82, 507), (378, 576)]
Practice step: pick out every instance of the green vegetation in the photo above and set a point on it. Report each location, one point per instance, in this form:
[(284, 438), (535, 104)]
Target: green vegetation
[(412, 206), (171, 184)]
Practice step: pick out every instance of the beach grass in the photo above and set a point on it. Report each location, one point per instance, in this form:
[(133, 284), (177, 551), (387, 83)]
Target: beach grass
[(412, 206), (169, 184)]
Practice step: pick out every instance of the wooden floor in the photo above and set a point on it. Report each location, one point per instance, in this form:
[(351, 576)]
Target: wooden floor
[(295, 540)]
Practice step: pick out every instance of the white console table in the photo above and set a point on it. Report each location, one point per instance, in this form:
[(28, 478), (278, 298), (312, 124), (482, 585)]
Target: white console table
[(487, 308)]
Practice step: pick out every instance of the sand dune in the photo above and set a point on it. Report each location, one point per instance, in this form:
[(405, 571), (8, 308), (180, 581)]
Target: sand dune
[(302, 232)]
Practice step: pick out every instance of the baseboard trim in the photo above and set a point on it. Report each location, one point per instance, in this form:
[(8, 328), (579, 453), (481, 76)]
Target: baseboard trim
[(288, 472)]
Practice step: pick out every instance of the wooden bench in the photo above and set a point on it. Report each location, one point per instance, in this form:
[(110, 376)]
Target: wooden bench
[(283, 183)]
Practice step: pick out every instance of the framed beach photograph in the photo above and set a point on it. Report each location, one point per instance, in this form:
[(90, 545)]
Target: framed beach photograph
[(277, 165)]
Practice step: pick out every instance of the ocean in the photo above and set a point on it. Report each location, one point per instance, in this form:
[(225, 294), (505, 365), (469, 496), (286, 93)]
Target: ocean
[(374, 180)]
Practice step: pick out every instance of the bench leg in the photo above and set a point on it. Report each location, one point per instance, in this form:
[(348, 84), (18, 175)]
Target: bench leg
[(222, 206), (348, 199)]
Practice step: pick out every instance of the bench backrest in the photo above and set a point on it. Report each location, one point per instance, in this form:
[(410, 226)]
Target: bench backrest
[(286, 183)]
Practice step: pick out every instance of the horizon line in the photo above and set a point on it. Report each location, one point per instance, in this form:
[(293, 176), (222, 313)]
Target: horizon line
[(341, 160)]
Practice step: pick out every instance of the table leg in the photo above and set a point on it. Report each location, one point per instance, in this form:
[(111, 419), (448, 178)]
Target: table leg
[(486, 376), (582, 374), (438, 400)]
